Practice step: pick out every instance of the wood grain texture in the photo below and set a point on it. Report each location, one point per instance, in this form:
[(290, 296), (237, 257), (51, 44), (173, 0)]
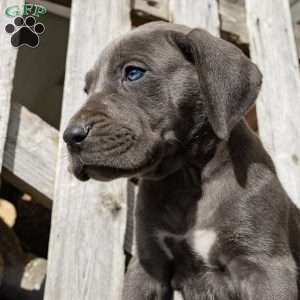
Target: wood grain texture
[(295, 10), (31, 150), (278, 107), (86, 260), (156, 8), (233, 19), (232, 13), (202, 14), (8, 56)]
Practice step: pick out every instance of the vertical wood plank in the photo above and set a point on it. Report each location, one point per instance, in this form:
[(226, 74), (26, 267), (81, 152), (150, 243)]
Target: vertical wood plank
[(8, 56), (203, 14), (86, 260), (278, 107)]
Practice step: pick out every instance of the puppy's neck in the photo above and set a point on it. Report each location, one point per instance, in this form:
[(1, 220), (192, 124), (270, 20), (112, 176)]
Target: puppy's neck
[(205, 166), (183, 188), (189, 157), (205, 158), (189, 170), (219, 159)]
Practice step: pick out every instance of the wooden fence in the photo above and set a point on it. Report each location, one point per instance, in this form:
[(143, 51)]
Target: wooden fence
[(86, 258)]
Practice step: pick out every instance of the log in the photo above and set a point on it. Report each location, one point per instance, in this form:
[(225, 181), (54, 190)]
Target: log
[(86, 257), (273, 48), (8, 212)]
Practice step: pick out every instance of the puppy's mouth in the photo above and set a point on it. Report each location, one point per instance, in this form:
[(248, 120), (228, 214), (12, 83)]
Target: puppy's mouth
[(104, 173), (85, 171)]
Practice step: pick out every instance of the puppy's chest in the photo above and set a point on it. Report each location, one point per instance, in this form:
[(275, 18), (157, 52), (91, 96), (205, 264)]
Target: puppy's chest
[(188, 227), (197, 243), (197, 233)]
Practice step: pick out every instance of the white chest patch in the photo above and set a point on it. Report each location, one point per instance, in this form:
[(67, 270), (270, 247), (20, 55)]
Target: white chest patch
[(202, 242), (177, 296)]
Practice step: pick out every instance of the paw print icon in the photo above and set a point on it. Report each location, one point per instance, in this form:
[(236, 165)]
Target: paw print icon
[(25, 31)]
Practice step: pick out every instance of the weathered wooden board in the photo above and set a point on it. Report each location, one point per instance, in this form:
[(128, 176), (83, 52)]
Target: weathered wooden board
[(232, 15), (278, 107), (31, 151), (231, 12), (295, 10), (292, 2), (233, 19), (202, 14), (8, 56), (156, 8), (57, 9), (86, 260)]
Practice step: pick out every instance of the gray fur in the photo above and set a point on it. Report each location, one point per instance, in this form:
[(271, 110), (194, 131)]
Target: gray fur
[(180, 130)]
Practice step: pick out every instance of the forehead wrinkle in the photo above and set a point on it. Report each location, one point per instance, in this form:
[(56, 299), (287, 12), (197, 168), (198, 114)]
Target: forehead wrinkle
[(121, 52), (128, 49), (146, 38), (147, 50)]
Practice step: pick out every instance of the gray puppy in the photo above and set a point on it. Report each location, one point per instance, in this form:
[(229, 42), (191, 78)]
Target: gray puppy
[(166, 103)]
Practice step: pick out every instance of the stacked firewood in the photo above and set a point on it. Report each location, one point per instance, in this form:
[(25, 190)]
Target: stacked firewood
[(22, 276)]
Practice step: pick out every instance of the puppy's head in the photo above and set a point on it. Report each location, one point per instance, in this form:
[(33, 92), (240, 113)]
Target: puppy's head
[(151, 93)]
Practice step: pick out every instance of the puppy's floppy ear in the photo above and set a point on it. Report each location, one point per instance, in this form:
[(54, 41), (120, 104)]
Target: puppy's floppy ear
[(229, 81)]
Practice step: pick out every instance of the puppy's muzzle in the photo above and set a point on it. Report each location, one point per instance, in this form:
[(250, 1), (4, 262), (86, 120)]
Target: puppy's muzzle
[(110, 141)]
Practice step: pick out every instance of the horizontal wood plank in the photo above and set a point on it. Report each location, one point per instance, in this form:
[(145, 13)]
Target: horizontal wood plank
[(31, 152)]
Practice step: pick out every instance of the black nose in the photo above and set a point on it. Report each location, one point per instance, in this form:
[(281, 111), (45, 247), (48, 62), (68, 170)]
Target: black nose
[(75, 134)]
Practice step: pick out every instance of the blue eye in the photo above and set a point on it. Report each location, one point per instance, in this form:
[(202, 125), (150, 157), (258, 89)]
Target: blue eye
[(134, 73)]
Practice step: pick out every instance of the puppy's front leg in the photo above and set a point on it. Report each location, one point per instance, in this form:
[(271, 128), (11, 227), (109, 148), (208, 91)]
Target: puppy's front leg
[(139, 285), (264, 277), (246, 278)]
